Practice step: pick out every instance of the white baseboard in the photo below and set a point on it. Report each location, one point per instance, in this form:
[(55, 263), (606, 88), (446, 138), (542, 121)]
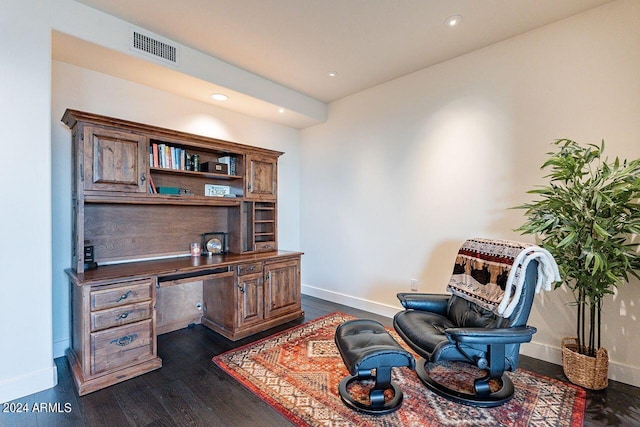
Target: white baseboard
[(542, 351), (60, 347), (624, 373), (359, 303), (33, 382), (617, 371)]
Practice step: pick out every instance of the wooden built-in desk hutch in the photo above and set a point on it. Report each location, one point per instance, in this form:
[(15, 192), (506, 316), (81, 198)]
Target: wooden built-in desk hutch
[(141, 196)]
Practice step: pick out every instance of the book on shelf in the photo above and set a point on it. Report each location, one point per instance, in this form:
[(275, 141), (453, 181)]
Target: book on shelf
[(177, 156), (152, 187), (154, 154), (230, 161), (161, 156), (182, 159)]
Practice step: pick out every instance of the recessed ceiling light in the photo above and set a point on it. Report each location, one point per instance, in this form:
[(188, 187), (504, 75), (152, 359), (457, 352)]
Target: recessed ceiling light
[(280, 110), (452, 21), (332, 74), (219, 97)]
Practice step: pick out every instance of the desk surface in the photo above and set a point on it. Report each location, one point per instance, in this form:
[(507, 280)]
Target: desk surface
[(170, 266)]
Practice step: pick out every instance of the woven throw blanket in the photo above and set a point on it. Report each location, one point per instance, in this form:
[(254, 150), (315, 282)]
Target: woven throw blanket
[(490, 273)]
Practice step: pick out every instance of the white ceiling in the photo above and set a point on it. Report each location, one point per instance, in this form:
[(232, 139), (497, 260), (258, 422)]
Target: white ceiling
[(295, 43)]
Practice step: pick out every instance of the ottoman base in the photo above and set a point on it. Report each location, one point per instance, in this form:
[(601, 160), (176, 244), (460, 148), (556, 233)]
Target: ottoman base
[(376, 397), (365, 347)]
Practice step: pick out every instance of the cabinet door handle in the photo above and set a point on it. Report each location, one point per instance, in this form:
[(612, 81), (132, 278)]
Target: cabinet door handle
[(143, 178), (124, 296), (124, 341), (241, 288)]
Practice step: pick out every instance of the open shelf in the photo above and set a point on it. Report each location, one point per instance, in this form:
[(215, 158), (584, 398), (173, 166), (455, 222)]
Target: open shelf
[(260, 226), (195, 174)]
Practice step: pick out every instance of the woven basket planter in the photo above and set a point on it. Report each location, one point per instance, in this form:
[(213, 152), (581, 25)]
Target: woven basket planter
[(585, 371)]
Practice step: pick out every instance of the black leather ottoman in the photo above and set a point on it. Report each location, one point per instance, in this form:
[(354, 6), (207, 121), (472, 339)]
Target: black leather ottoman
[(366, 345)]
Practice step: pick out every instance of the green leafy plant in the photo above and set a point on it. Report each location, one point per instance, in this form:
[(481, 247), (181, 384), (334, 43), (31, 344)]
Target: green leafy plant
[(588, 217)]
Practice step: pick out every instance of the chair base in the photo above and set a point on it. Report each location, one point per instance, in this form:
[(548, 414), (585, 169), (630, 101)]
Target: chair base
[(482, 398), (376, 396)]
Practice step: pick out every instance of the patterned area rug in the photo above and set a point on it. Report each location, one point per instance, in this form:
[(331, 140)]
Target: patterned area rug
[(298, 371)]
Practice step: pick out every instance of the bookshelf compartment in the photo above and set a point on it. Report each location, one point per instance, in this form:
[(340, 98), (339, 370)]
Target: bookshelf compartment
[(261, 226), (265, 230), (209, 175), (183, 157), (188, 170), (194, 183)]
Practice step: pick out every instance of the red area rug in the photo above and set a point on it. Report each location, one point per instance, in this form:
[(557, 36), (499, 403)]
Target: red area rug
[(298, 371)]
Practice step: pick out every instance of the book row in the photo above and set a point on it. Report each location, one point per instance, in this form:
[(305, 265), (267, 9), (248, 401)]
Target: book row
[(169, 157)]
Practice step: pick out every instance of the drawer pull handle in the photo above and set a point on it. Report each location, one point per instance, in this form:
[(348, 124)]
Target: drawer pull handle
[(124, 341), (124, 296), (251, 268), (123, 316)]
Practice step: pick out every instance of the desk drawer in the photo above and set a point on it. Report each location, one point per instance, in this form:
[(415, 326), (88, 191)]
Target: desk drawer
[(266, 246), (122, 346), (127, 293), (119, 316), (252, 268)]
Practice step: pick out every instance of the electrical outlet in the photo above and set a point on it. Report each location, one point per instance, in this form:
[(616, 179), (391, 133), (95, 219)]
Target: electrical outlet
[(414, 285)]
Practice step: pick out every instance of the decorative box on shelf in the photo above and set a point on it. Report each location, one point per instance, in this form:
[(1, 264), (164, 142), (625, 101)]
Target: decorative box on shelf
[(214, 167)]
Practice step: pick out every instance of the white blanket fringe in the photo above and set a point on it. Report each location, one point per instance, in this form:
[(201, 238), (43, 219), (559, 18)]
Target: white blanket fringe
[(548, 273)]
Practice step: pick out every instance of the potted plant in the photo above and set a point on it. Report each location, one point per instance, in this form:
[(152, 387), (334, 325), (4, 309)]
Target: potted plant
[(586, 217)]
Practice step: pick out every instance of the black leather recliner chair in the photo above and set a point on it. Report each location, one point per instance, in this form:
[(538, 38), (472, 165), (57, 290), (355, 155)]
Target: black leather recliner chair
[(450, 328)]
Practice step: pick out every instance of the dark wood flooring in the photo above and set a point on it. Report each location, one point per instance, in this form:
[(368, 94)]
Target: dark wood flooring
[(190, 389)]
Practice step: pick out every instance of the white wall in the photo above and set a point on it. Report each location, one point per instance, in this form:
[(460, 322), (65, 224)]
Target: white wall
[(85, 90), (401, 174), (26, 362)]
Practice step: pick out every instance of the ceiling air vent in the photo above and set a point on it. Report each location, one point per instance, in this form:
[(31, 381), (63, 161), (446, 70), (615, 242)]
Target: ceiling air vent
[(153, 46)]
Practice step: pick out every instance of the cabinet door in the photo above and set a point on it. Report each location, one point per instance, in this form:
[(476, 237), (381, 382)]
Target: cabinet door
[(114, 161), (250, 300), (219, 293), (262, 176), (281, 288)]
